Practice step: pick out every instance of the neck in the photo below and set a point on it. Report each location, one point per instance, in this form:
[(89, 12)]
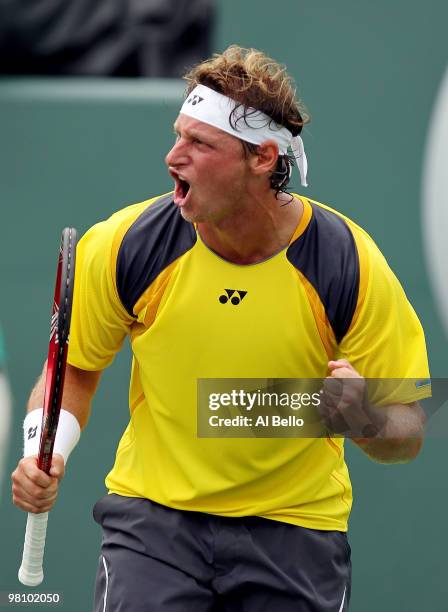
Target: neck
[(260, 229)]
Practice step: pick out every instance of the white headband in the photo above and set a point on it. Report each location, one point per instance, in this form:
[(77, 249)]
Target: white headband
[(209, 106)]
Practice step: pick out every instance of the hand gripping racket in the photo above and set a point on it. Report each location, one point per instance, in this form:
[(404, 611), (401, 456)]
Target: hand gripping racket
[(31, 572)]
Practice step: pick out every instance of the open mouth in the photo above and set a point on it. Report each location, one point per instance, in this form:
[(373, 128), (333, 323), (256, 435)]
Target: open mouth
[(182, 189)]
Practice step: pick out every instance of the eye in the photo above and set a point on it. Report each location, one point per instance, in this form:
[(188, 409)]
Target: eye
[(199, 142)]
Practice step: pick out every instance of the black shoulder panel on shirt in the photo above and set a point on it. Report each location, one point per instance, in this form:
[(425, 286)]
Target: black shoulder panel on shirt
[(155, 239), (327, 256)]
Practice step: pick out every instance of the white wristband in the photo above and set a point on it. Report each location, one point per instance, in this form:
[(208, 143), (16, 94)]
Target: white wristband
[(67, 434)]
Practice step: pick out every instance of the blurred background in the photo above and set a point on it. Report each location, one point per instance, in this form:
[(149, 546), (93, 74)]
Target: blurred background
[(88, 94)]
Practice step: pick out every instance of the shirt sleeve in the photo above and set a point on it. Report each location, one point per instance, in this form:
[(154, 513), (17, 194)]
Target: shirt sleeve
[(386, 342), (99, 323)]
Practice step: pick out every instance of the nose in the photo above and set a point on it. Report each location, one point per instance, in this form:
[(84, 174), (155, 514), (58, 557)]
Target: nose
[(177, 154)]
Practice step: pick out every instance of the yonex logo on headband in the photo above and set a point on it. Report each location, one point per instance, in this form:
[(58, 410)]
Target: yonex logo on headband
[(194, 100)]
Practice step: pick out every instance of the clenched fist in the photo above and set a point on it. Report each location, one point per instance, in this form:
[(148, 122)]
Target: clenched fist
[(32, 489)]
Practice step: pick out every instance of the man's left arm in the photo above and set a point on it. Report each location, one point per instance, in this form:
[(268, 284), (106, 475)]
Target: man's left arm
[(403, 438), (387, 434)]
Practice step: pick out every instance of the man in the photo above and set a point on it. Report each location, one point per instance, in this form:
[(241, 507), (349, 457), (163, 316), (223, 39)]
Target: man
[(231, 277)]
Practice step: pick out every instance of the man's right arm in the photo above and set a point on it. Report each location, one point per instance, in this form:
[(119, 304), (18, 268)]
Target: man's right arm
[(33, 490)]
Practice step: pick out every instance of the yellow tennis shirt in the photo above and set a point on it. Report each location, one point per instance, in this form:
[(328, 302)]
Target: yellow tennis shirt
[(330, 294)]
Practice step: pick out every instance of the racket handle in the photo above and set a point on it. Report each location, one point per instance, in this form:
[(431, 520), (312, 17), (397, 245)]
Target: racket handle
[(31, 572)]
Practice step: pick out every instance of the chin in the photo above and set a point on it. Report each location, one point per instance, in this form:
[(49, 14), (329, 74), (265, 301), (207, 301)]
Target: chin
[(189, 215)]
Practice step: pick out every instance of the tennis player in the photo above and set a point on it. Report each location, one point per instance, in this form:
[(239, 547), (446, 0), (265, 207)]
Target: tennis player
[(230, 276)]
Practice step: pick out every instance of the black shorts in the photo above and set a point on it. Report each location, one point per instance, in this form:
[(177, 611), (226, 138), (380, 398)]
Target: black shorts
[(156, 559)]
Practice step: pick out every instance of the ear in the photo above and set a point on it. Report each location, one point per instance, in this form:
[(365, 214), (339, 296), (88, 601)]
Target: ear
[(265, 160)]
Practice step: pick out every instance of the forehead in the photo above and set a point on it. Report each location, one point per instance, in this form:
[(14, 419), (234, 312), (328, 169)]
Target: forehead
[(187, 124)]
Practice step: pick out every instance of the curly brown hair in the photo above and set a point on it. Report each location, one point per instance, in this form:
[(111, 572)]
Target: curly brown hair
[(253, 79)]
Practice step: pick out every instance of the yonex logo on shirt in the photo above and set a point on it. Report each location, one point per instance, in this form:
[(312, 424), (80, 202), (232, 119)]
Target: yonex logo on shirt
[(193, 100), (234, 299)]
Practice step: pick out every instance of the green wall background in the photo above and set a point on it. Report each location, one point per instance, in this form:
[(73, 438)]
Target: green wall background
[(74, 151)]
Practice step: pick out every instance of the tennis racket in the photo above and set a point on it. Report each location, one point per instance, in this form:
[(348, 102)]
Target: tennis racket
[(31, 572)]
